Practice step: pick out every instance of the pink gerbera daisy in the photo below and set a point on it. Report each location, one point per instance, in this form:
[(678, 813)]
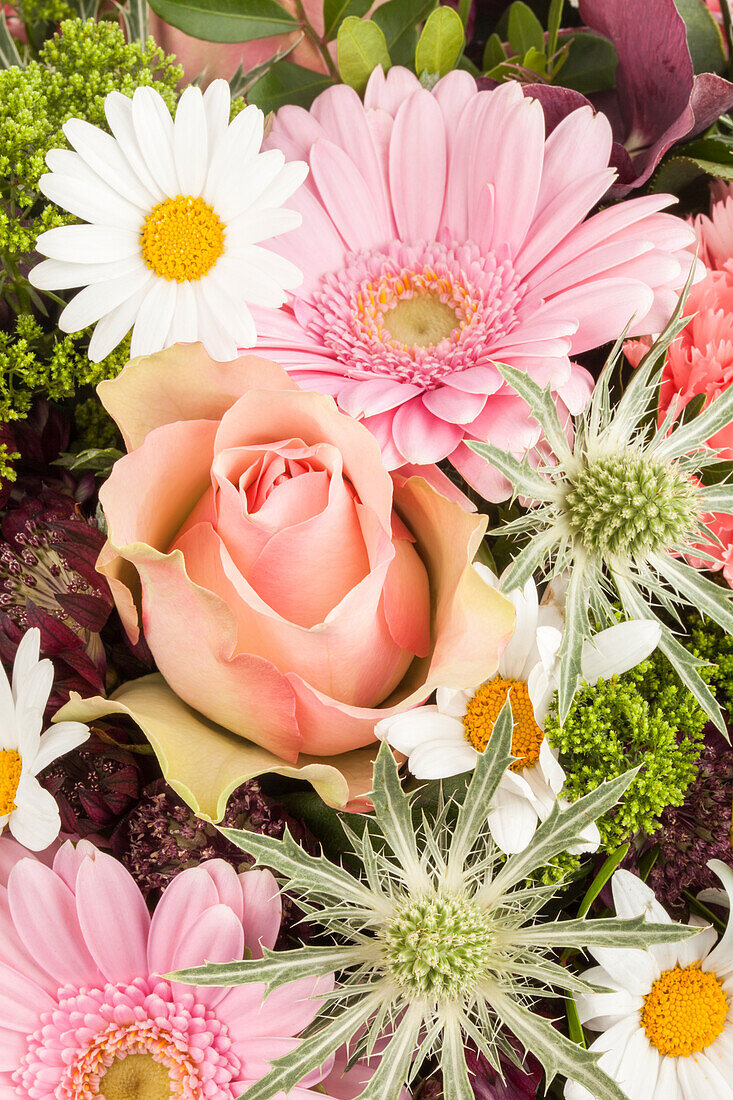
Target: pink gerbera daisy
[(444, 232), (84, 1011)]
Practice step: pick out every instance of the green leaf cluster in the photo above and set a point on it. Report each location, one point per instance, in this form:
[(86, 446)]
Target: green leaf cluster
[(645, 718)]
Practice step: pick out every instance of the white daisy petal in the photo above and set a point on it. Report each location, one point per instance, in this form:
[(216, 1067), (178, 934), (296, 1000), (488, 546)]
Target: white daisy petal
[(118, 109), (549, 640), (252, 284), (243, 140), (668, 1086), (439, 759), (254, 226), (639, 1069), (589, 842), (116, 324), (27, 656), (8, 727), (88, 244), (232, 199), (107, 158), (407, 731), (687, 952), (721, 958), (219, 342), (514, 658), (699, 1079), (452, 701), (512, 821), (184, 326), (633, 898), (30, 704), (217, 105), (95, 203), (633, 969), (62, 275), (36, 822), (619, 649), (276, 267), (231, 313), (541, 691), (550, 767), (96, 300), (154, 318), (154, 134), (57, 741), (286, 184), (190, 142), (720, 1053)]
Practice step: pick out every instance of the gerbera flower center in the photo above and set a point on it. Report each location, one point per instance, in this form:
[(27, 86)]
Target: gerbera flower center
[(136, 1077), (630, 505), (483, 710), (416, 313), (422, 321), (438, 946), (11, 766), (684, 1012), (182, 238)]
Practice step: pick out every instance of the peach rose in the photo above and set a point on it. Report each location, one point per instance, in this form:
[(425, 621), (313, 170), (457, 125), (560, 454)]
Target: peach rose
[(289, 589)]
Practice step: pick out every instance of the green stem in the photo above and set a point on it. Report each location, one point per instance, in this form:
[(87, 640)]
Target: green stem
[(310, 33), (464, 10)]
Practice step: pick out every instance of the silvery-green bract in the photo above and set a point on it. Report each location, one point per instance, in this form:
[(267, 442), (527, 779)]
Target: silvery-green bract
[(617, 511), (437, 942)]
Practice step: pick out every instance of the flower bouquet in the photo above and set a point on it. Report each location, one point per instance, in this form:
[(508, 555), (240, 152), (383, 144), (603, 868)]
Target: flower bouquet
[(366, 550)]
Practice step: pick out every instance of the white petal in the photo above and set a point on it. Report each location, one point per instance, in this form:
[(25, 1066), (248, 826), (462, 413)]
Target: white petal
[(238, 190), (720, 1053), (549, 640), (514, 658), (8, 728), (439, 759), (184, 326), (217, 105), (590, 839), (108, 159), (95, 301), (154, 134), (697, 948), (276, 267), (232, 315), (36, 822), (487, 575), (631, 968), (57, 741), (98, 204), (242, 143), (721, 958), (154, 318), (406, 731), (191, 142), (700, 1079), (619, 649), (453, 702), (639, 1070), (88, 244), (551, 768), (255, 287), (512, 821), (27, 656), (63, 275), (116, 324), (252, 227), (219, 342), (118, 109), (541, 691), (30, 705), (668, 1085), (633, 898), (286, 184)]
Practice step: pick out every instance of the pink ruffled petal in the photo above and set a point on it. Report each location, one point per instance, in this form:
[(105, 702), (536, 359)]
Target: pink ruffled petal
[(113, 918), (262, 910)]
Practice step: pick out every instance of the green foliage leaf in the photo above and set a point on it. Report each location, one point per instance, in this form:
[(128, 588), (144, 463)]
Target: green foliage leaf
[(609, 865), (494, 54), (9, 55), (335, 11), (554, 19), (400, 20), (275, 968), (525, 31), (703, 36), (361, 47), (590, 65), (440, 43), (605, 932), (226, 20), (286, 82)]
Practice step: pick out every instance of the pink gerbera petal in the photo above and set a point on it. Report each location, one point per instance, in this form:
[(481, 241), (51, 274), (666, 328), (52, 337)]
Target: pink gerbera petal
[(439, 228)]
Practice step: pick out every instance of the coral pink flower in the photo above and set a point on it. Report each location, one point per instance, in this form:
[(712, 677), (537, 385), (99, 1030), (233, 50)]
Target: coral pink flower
[(444, 232), (84, 1009), (700, 361), (715, 233)]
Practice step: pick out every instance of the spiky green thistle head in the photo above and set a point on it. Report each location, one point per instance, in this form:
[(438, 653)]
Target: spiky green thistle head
[(437, 941), (618, 511)]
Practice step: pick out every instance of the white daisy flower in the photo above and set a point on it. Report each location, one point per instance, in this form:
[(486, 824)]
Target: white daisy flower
[(446, 739), (666, 1021), (27, 808), (176, 213)]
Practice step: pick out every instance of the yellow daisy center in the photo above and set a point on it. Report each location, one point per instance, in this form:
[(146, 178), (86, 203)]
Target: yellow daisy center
[(182, 238), (485, 707), (684, 1011), (136, 1077), (11, 766)]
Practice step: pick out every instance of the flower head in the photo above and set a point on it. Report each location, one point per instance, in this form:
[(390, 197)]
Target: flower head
[(97, 1018), (26, 808), (447, 739), (413, 291), (619, 510), (436, 944), (176, 210), (664, 1014)]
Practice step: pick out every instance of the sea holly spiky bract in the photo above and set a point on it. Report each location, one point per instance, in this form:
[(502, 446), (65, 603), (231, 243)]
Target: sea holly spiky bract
[(438, 941), (617, 511)]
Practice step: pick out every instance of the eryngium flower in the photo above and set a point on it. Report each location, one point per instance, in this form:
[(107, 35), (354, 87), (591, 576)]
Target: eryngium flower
[(436, 942), (618, 510)]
